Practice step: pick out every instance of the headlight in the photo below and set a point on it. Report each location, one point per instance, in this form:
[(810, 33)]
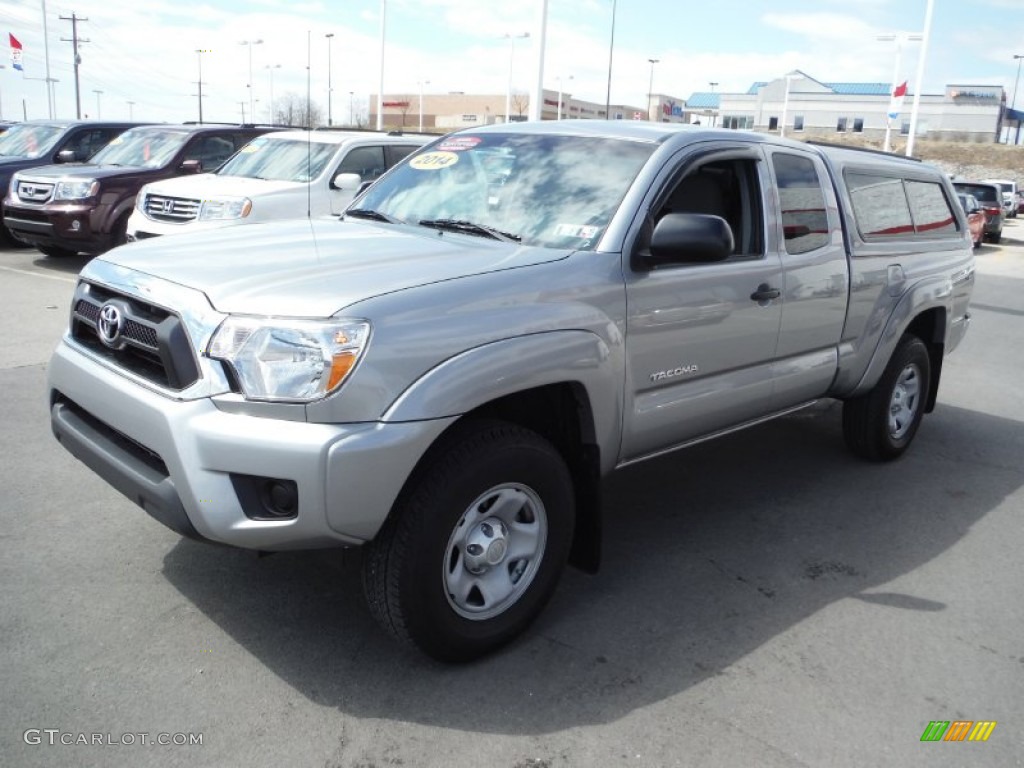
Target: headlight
[(225, 208), (76, 190), (289, 360)]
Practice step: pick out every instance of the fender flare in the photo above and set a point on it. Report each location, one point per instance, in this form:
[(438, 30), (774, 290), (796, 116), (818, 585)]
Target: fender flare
[(924, 296), (497, 369)]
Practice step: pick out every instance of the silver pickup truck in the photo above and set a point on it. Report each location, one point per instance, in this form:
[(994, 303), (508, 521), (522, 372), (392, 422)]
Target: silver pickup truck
[(445, 375)]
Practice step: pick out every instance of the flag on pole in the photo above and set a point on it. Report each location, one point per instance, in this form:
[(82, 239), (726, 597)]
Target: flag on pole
[(896, 103), (15, 52)]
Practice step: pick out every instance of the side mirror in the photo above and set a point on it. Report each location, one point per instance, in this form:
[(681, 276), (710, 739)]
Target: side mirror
[(191, 166), (689, 238), (66, 156), (347, 182)]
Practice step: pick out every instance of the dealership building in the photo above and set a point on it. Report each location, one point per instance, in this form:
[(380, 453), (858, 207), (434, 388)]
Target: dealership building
[(795, 104), (808, 108)]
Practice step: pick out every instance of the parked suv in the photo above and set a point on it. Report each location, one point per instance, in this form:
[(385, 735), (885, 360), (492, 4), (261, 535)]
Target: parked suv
[(44, 142), (275, 176), (991, 198), (64, 210)]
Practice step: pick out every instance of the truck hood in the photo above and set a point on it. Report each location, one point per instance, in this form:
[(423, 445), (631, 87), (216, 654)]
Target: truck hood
[(207, 185), (318, 267)]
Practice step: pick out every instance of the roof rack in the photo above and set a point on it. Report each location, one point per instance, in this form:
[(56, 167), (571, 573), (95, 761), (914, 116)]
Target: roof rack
[(852, 148)]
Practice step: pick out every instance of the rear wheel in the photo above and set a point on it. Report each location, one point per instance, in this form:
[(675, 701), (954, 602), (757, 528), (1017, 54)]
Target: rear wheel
[(881, 424), (474, 547)]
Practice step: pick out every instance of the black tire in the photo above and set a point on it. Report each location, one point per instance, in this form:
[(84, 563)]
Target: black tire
[(119, 234), (996, 237), (55, 251), (881, 424), (425, 551)]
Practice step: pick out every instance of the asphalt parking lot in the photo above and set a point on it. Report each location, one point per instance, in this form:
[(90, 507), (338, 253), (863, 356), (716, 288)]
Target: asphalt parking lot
[(765, 600)]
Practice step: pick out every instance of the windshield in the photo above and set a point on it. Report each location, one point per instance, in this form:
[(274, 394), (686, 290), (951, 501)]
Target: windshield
[(553, 191), (279, 159), (143, 148), (29, 141)]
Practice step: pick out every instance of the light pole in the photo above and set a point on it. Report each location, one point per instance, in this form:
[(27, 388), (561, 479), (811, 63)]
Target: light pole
[(713, 110), (131, 110), (650, 91), (270, 68), (329, 36), (919, 79), (351, 110), (421, 83), (560, 96), (98, 94), (1013, 104), (250, 44), (899, 40), (199, 54), (511, 60), (785, 104)]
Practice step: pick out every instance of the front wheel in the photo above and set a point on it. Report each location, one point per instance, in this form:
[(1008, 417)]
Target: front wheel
[(881, 424), (475, 545)]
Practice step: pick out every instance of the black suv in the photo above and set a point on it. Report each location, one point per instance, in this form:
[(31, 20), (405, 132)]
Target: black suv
[(84, 208), (44, 142)]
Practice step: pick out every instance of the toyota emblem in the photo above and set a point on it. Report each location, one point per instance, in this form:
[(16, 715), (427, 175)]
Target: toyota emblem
[(110, 323)]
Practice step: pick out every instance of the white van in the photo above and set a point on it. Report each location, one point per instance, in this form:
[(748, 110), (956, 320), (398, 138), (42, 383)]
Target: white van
[(280, 175), (1009, 189)]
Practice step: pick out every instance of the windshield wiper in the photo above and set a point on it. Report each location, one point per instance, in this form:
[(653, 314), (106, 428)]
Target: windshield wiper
[(458, 225), (369, 213)]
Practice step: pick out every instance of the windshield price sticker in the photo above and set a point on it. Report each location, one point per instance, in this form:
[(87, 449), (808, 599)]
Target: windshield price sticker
[(459, 143), (433, 161), (576, 230)]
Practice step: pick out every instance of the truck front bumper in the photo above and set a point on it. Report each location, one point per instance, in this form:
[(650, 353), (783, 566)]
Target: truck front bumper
[(198, 469)]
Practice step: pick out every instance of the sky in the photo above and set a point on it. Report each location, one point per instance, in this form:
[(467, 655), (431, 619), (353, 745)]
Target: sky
[(141, 54)]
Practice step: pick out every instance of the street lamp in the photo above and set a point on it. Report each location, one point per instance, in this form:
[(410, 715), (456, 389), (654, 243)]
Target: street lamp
[(560, 96), (650, 91), (511, 60), (785, 104), (1019, 58), (351, 111), (421, 83), (199, 54), (270, 68), (98, 94), (248, 85), (131, 110), (329, 36)]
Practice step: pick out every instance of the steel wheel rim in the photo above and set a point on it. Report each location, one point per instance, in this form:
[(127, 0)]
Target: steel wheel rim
[(494, 551), (905, 401)]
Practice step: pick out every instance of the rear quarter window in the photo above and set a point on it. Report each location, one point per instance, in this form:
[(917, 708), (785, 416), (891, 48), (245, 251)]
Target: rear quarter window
[(894, 207)]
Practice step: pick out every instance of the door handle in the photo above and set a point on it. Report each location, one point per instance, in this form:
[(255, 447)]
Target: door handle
[(765, 293)]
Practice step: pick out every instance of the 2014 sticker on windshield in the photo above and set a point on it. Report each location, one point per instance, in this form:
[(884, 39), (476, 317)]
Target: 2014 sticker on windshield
[(434, 161)]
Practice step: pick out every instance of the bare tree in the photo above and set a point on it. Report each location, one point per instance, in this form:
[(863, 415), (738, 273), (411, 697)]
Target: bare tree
[(520, 102), (292, 109)]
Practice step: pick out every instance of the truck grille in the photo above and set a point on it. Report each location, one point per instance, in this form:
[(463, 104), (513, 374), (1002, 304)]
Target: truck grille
[(146, 340), (172, 209), (34, 191)]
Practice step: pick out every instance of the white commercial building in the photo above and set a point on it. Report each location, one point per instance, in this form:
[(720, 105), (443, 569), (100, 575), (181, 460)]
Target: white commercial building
[(803, 107)]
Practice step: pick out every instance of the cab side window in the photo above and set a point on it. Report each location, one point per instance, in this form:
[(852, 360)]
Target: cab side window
[(802, 203), (397, 152), (368, 162), (728, 189)]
